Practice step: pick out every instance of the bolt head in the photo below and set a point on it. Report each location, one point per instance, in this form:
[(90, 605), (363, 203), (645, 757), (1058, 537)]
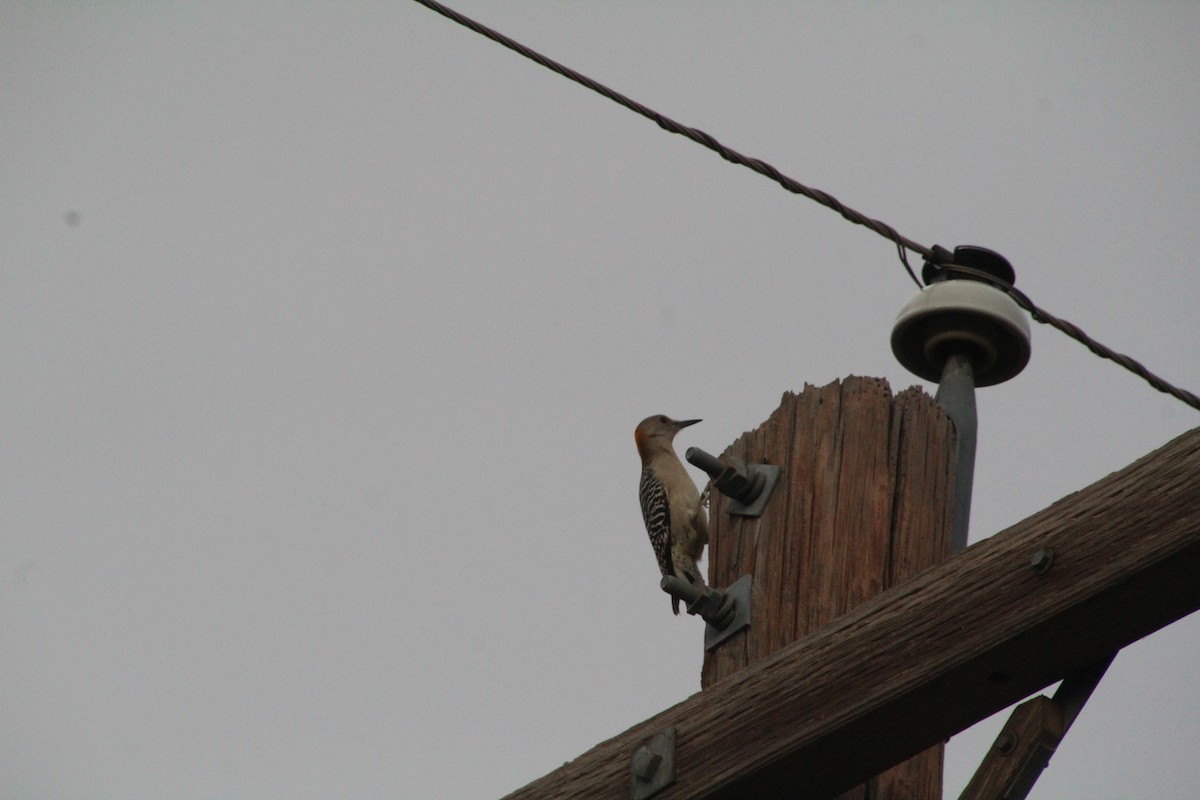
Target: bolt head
[(1006, 743), (645, 763), (1041, 560)]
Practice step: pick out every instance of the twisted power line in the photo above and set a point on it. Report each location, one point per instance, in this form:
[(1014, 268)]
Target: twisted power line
[(1076, 333), (824, 198), (695, 134)]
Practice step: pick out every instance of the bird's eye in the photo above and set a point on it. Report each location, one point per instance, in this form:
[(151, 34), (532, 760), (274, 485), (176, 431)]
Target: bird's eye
[(663, 419)]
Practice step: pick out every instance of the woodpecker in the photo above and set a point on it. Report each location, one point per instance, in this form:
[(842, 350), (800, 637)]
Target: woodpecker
[(671, 506)]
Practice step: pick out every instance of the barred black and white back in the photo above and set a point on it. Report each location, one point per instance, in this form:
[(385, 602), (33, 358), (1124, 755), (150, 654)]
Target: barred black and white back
[(656, 513)]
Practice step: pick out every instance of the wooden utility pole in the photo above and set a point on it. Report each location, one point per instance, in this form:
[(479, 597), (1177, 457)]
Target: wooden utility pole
[(865, 502), (1048, 598)]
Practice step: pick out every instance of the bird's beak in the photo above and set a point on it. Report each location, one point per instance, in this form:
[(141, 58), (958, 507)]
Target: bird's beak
[(685, 422)]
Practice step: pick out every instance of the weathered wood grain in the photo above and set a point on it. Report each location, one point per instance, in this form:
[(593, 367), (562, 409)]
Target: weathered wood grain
[(861, 505), (927, 658), (1033, 731)]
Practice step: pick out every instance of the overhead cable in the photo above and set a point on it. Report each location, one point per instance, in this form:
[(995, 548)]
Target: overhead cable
[(824, 198)]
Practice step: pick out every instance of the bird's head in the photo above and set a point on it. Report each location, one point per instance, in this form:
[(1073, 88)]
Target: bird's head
[(657, 433)]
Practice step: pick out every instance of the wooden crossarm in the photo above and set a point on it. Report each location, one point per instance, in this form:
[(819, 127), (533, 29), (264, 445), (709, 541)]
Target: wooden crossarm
[(930, 657)]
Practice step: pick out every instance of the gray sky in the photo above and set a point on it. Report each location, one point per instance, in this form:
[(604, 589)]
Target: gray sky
[(328, 324)]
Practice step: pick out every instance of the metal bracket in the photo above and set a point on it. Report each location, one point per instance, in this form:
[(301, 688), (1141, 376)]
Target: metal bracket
[(652, 765), (754, 508), (748, 486), (726, 611), (738, 594)]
